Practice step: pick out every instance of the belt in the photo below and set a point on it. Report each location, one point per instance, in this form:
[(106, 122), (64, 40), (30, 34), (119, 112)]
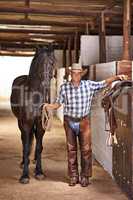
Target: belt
[(75, 119)]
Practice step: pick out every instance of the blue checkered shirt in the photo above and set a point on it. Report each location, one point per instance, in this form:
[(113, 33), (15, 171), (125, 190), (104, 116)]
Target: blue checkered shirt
[(77, 100)]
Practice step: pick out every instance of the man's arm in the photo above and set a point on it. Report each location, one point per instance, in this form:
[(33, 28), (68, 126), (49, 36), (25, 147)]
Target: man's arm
[(96, 86), (52, 106), (115, 78)]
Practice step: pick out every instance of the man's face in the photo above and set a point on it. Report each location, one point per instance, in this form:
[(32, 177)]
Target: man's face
[(76, 75)]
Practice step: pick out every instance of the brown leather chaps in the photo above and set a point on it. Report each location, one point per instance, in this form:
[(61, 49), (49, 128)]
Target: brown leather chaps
[(84, 139)]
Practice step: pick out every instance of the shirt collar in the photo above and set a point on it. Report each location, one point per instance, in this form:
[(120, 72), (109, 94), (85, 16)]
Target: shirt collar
[(71, 84)]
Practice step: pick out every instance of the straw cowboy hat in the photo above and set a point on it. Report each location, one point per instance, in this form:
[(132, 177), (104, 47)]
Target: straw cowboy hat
[(78, 67)]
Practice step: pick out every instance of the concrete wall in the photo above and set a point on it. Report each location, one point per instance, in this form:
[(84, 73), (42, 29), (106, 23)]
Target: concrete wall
[(90, 49), (60, 74), (102, 71), (101, 152), (114, 48)]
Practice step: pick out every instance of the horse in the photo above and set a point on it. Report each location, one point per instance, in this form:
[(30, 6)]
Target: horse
[(28, 94)]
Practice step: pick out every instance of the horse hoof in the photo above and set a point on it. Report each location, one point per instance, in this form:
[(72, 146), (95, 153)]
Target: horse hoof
[(40, 177), (24, 180)]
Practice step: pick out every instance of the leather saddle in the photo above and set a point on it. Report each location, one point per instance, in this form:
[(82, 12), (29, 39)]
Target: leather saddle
[(108, 103)]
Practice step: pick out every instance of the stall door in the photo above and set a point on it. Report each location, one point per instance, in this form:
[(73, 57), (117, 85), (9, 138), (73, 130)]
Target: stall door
[(123, 151)]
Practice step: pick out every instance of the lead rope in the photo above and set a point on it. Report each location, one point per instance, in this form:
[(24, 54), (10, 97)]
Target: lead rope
[(46, 118)]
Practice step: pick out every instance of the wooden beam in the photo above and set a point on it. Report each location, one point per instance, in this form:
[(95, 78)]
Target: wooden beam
[(126, 30), (27, 4), (69, 51), (42, 31), (64, 55), (11, 36), (43, 22), (55, 11), (27, 45), (16, 53), (76, 48), (102, 39), (5, 45)]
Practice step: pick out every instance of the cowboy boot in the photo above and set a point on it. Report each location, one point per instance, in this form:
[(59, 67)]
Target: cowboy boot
[(73, 180), (84, 182)]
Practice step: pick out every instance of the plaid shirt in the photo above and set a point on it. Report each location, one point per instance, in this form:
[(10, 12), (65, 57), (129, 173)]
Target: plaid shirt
[(77, 100)]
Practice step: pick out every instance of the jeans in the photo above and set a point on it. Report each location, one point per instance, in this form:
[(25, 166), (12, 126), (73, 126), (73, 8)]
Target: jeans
[(75, 126), (84, 138)]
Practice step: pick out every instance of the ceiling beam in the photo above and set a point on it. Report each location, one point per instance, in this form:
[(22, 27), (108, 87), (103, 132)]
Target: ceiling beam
[(43, 22), (27, 45), (56, 11), (41, 31), (19, 45), (16, 53)]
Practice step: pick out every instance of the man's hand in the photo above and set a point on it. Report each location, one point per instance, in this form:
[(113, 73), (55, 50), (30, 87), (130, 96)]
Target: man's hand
[(52, 106), (116, 78), (122, 77)]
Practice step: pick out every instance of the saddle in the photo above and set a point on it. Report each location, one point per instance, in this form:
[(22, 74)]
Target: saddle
[(109, 97)]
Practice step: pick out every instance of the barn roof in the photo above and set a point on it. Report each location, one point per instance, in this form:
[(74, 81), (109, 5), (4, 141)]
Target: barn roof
[(25, 24)]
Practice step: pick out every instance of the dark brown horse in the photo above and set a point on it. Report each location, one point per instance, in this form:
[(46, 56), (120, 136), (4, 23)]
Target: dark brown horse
[(29, 92)]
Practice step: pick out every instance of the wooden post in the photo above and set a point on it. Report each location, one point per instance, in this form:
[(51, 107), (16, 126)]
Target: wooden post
[(87, 31), (125, 66), (126, 30), (102, 39), (65, 61), (27, 3), (76, 48), (64, 55), (69, 51)]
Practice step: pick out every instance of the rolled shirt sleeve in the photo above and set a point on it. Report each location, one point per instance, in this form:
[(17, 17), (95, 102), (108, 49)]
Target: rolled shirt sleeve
[(97, 85), (60, 97)]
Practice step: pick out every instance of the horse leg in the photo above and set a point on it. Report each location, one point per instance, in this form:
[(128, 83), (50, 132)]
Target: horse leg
[(25, 136), (35, 154), (30, 143), (39, 147)]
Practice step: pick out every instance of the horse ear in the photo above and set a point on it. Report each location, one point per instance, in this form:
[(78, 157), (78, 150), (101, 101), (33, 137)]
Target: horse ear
[(38, 49)]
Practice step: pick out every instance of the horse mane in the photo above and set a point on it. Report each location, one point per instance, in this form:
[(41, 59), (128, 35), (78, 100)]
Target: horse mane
[(42, 55)]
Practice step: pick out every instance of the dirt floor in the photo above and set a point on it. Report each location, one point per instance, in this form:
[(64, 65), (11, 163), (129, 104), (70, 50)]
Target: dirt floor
[(55, 186)]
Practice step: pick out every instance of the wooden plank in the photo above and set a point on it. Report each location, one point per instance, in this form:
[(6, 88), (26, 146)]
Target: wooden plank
[(56, 11), (28, 45), (27, 4), (76, 48), (42, 22), (16, 53), (124, 160), (43, 30), (126, 30), (102, 39), (70, 51)]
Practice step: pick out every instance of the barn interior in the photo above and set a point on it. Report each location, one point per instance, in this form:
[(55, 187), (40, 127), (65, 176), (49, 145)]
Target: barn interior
[(97, 33)]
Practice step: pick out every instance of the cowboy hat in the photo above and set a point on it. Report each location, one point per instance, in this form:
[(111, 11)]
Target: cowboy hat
[(77, 66)]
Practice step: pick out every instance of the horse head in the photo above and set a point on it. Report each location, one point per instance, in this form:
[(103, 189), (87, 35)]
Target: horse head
[(41, 71)]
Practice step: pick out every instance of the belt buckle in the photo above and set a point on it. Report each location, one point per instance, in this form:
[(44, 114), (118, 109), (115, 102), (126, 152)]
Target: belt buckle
[(78, 119)]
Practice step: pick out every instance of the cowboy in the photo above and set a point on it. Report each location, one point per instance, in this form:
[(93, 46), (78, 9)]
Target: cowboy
[(76, 95)]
